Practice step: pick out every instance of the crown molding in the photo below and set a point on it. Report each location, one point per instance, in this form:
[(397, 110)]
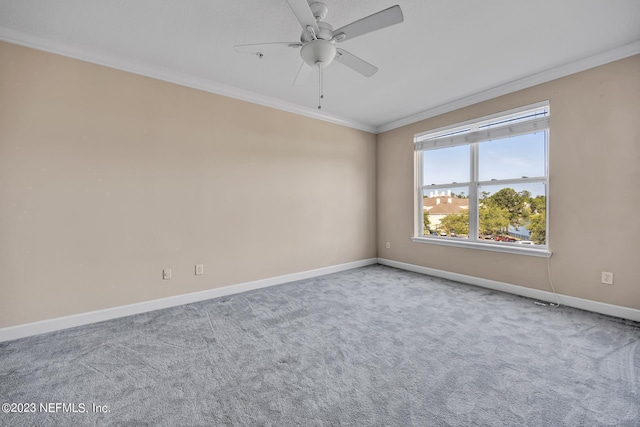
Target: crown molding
[(112, 61), (564, 70), (147, 70)]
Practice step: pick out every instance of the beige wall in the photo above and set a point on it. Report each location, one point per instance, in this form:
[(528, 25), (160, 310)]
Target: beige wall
[(594, 174), (108, 177)]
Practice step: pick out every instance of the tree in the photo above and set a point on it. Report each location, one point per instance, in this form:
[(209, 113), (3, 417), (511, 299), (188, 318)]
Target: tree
[(538, 228), (493, 219), (538, 204), (516, 205), (457, 223), (426, 222)]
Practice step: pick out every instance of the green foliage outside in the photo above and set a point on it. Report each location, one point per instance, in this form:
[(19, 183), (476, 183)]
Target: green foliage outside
[(426, 222), (538, 227), (461, 195), (457, 223), (515, 204), (501, 209), (494, 220)]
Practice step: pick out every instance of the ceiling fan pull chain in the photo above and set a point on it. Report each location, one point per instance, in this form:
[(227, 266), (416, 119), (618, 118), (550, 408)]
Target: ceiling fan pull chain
[(320, 84)]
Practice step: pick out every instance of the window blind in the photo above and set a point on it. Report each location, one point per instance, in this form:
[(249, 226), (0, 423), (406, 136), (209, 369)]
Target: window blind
[(499, 132)]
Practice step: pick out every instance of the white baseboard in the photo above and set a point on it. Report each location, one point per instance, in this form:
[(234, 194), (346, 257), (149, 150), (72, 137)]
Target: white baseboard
[(44, 326), (36, 328), (583, 304)]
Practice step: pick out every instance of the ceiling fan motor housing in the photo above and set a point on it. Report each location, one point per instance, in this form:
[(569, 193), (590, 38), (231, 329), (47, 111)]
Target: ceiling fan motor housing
[(325, 33)]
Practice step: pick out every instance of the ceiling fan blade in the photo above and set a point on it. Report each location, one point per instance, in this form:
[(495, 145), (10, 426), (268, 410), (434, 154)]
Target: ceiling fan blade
[(303, 12), (303, 75), (382, 19), (356, 64), (265, 47)]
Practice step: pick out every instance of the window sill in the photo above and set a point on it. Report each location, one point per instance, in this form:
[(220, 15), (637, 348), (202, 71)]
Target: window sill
[(505, 248)]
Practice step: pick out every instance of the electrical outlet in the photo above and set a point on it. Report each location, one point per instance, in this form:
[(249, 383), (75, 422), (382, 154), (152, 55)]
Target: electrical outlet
[(199, 269), (388, 245), (607, 278), (166, 274)]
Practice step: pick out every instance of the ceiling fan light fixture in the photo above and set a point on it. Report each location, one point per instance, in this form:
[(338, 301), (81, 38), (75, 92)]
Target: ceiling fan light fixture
[(318, 51)]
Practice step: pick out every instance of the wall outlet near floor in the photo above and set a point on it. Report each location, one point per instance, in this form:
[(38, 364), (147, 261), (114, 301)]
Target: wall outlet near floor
[(166, 274), (388, 245), (199, 269), (607, 278)]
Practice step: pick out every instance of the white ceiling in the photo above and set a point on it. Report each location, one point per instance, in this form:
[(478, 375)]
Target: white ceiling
[(446, 54)]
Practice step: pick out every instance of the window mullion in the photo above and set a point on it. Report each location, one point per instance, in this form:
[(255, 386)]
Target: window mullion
[(473, 192), (419, 178)]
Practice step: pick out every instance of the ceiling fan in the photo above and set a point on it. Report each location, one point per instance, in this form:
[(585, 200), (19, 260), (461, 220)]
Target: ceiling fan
[(318, 40)]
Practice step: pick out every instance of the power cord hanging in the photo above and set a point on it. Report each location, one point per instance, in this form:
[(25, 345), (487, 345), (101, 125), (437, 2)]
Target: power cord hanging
[(558, 299), (553, 289)]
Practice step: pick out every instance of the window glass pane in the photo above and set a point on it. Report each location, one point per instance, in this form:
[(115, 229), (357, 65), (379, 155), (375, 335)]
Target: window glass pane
[(514, 157), (513, 213), (446, 165), (445, 212)]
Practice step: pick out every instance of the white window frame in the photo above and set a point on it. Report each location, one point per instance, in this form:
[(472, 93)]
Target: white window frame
[(470, 133)]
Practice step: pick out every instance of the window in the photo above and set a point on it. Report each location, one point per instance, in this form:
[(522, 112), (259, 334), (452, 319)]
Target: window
[(484, 183)]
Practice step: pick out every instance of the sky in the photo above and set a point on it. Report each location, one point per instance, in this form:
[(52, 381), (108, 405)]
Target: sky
[(506, 158)]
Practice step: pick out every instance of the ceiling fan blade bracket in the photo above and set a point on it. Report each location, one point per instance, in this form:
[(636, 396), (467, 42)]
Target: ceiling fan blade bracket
[(339, 37), (312, 32)]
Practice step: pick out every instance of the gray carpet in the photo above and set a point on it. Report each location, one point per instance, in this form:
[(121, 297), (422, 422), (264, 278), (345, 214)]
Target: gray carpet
[(373, 346)]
